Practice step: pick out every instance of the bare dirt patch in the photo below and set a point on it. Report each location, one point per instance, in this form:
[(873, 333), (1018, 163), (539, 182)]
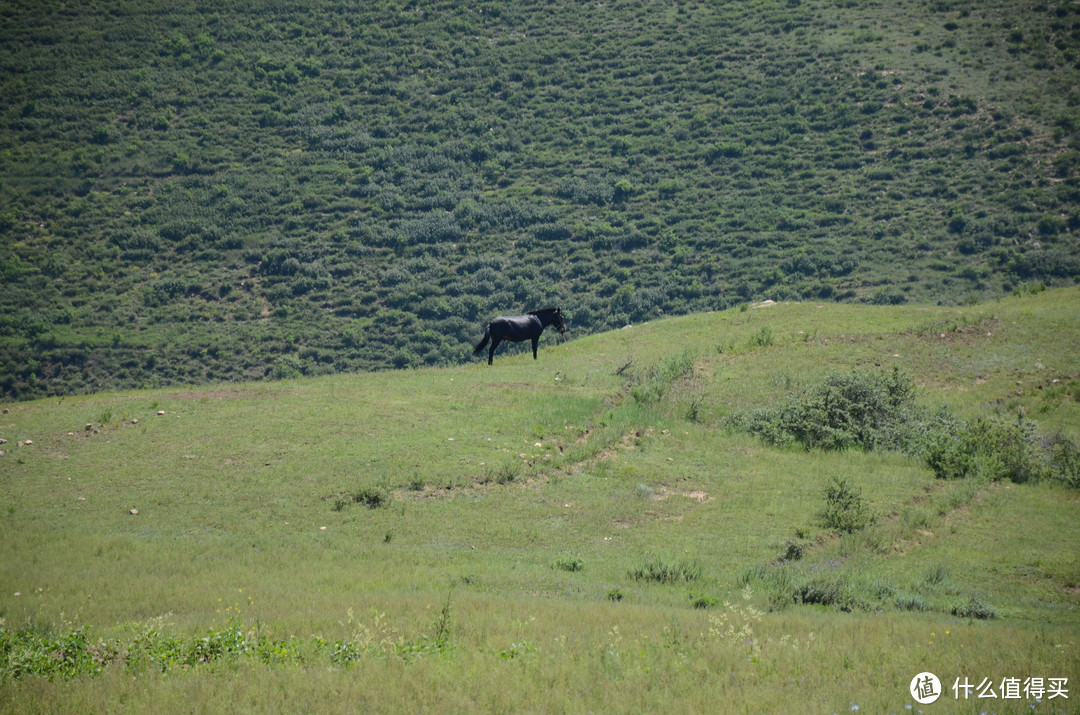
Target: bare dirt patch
[(699, 496), (223, 394)]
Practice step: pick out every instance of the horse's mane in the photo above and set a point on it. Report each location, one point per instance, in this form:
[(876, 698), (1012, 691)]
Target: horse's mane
[(542, 310)]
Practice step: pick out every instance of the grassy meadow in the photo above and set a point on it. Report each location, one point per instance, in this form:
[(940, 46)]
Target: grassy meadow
[(591, 531)]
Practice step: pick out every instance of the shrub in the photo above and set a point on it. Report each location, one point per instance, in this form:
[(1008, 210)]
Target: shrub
[(793, 551), (857, 409), (370, 497), (994, 449), (949, 457), (845, 510), (1064, 457), (828, 590)]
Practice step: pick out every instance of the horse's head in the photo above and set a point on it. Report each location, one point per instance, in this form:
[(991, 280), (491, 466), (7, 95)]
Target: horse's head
[(560, 323)]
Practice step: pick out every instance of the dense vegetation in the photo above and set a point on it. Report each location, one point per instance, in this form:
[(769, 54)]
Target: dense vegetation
[(194, 192)]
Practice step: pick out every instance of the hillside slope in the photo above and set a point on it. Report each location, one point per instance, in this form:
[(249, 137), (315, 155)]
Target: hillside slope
[(192, 193), (590, 530)]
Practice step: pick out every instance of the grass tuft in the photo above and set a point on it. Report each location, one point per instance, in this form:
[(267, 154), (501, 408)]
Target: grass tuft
[(666, 571)]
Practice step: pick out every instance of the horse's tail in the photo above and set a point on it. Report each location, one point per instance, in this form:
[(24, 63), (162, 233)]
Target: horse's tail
[(480, 345)]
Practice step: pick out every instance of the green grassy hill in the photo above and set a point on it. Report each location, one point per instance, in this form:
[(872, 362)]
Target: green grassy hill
[(592, 531), (196, 192)]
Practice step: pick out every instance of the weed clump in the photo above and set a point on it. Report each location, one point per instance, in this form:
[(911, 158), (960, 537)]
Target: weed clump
[(568, 563), (653, 384), (371, 497), (662, 571), (974, 607), (702, 601)]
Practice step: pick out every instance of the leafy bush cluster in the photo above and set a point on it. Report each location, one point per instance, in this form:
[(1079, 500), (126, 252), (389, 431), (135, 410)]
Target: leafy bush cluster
[(996, 449), (863, 409), (873, 410)]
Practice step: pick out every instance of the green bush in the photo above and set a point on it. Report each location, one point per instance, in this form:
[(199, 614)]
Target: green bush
[(845, 509), (858, 409), (996, 450), (1064, 460)]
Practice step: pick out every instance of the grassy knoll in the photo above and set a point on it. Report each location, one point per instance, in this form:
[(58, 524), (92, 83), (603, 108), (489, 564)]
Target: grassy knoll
[(590, 531)]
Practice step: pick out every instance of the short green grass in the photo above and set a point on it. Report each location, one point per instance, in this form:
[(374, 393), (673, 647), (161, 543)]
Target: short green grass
[(522, 508)]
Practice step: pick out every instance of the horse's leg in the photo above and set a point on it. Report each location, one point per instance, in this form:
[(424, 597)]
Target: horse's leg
[(535, 341), (491, 352)]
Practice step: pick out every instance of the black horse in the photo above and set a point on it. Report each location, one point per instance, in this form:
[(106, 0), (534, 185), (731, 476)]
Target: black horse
[(520, 327)]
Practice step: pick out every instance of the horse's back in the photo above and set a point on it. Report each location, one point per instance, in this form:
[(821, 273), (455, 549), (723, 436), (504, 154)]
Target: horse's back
[(516, 327)]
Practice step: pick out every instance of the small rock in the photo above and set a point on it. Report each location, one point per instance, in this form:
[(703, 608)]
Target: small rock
[(28, 442), (161, 412), (134, 512), (134, 422), (89, 427)]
